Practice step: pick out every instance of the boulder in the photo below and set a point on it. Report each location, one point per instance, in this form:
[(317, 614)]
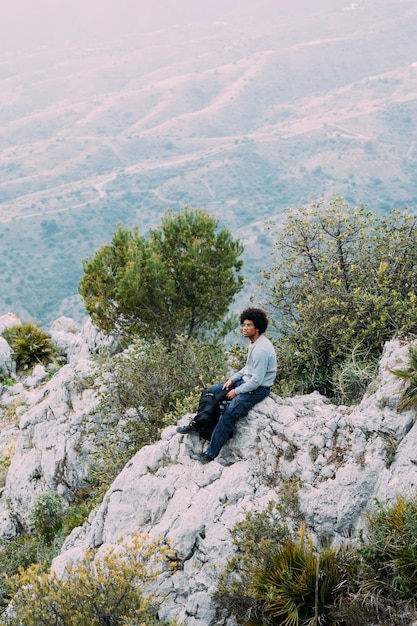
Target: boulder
[(79, 343), (8, 321)]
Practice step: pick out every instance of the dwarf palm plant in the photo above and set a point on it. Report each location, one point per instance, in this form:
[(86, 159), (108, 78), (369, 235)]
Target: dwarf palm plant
[(298, 584), (409, 374), (30, 346), (390, 547)]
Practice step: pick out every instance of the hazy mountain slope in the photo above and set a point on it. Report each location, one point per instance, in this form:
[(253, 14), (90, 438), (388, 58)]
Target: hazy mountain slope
[(258, 110)]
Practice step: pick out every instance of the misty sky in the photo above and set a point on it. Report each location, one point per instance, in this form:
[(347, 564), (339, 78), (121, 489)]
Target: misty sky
[(28, 23), (40, 22)]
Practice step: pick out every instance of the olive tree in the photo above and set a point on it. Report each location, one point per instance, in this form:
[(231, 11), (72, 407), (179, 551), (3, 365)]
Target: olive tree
[(178, 280), (343, 282)]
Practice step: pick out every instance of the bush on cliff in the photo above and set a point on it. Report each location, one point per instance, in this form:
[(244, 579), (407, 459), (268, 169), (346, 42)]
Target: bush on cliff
[(342, 284), (276, 579), (102, 590), (30, 346), (144, 389)]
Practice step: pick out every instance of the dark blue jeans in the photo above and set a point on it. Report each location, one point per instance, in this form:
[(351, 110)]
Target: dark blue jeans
[(237, 408)]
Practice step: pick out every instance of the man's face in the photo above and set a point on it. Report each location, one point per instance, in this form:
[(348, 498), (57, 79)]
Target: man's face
[(248, 329)]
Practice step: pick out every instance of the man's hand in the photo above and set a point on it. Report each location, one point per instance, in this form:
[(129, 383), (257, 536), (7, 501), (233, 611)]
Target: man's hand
[(228, 384), (232, 394)]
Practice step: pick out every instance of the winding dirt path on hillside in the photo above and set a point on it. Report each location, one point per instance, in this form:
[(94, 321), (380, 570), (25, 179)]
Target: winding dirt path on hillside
[(100, 195)]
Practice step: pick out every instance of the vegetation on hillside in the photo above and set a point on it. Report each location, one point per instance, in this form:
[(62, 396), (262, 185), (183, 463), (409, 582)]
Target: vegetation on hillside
[(102, 590), (68, 180), (342, 283), (143, 390), (409, 375), (280, 578), (180, 280)]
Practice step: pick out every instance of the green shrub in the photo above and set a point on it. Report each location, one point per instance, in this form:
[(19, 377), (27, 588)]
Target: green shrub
[(278, 578), (298, 584), (75, 516), (380, 585), (21, 552), (351, 378), (103, 590), (409, 375), (389, 546), (342, 277), (254, 539), (47, 515), (144, 389), (275, 579), (30, 346), (7, 381)]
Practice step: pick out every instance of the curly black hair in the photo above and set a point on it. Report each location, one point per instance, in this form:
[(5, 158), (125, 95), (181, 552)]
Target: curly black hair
[(257, 316)]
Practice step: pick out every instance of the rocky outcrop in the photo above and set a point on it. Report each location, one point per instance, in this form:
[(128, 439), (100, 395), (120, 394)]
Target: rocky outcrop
[(342, 457), (51, 445), (8, 321), (79, 343), (6, 363)]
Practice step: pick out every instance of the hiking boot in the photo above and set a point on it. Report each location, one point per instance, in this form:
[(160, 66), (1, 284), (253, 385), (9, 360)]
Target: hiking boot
[(185, 430), (202, 457)]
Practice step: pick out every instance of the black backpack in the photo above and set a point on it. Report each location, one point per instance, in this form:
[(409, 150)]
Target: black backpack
[(208, 412)]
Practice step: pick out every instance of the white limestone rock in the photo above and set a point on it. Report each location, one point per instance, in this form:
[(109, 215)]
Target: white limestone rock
[(37, 376), (78, 343), (9, 321), (52, 449), (6, 362), (340, 455), (343, 458)]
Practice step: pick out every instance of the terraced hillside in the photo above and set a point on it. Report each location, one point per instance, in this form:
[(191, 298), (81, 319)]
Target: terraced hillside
[(244, 111)]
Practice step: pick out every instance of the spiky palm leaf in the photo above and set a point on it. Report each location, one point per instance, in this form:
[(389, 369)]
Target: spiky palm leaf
[(409, 375), (298, 585), (30, 345)]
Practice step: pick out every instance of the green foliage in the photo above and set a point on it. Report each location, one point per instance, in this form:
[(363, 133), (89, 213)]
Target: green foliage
[(104, 590), (40, 548), (144, 389), (274, 579), (342, 277), (6, 381), (79, 510), (179, 280), (21, 552), (409, 375), (389, 548), (75, 516), (298, 584), (47, 515), (278, 578), (254, 538), (381, 582), (30, 346), (5, 460), (351, 378)]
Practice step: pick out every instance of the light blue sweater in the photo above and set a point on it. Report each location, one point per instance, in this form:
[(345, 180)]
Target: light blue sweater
[(261, 366)]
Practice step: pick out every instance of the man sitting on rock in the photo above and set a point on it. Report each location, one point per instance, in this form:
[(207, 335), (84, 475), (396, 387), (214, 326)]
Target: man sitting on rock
[(245, 388)]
